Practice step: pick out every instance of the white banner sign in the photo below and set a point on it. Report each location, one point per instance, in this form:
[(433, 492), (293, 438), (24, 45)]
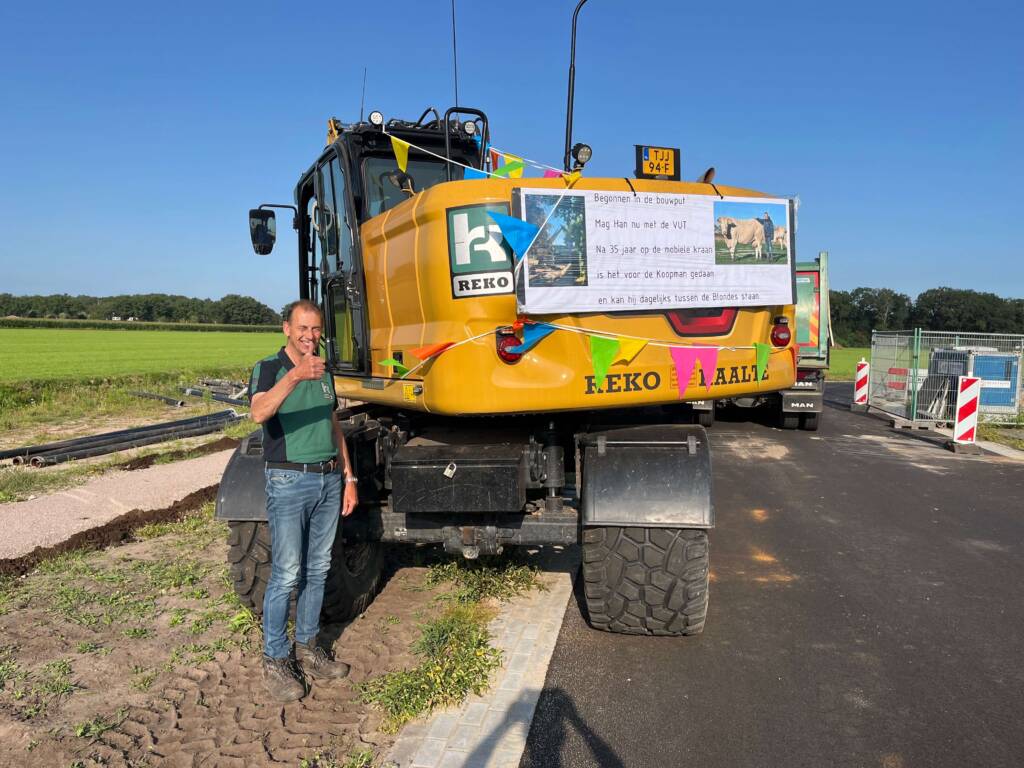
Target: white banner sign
[(619, 252)]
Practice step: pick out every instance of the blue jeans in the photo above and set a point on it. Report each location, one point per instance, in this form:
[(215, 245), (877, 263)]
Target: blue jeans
[(303, 509)]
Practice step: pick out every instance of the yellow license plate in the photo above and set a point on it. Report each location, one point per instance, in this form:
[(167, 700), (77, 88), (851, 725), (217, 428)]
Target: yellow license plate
[(659, 161)]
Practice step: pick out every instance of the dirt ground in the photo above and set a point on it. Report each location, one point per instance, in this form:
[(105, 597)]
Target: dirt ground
[(139, 655)]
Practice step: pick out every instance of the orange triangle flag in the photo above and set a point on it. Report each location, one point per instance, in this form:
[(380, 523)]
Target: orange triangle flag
[(430, 350)]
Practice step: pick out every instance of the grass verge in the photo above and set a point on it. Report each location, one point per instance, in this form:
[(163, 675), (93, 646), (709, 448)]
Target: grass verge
[(843, 362), (456, 655)]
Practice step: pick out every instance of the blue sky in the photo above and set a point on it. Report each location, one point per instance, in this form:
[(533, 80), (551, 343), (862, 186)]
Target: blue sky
[(136, 136)]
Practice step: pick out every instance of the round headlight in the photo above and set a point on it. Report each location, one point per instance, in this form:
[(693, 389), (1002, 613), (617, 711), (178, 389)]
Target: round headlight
[(469, 127), (376, 118), (582, 153)]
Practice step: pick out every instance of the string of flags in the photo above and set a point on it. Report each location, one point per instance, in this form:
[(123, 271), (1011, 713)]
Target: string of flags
[(606, 351), (504, 165)]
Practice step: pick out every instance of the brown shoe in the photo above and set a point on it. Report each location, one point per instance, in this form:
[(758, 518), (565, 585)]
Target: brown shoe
[(316, 662), (282, 679)]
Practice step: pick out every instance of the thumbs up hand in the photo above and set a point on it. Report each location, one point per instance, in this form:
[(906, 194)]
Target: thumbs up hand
[(309, 368)]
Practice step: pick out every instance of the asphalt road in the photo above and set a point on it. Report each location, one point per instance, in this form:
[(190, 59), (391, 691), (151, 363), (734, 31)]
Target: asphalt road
[(866, 610)]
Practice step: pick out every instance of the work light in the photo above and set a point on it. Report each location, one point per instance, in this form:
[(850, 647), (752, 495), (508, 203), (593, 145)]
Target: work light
[(582, 153), (376, 118)]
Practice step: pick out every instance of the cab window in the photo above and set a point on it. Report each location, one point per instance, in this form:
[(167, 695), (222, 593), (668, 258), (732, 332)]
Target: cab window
[(332, 220), (380, 177)]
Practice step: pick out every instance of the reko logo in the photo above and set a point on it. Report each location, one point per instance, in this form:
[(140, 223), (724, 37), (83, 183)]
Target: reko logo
[(483, 240)]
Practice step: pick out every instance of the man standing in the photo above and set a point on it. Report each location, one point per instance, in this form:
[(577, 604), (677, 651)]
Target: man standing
[(292, 396), (769, 234)]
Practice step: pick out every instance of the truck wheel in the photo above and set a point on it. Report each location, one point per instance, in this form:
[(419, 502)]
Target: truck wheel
[(352, 582), (809, 421), (706, 418), (788, 420), (646, 581)]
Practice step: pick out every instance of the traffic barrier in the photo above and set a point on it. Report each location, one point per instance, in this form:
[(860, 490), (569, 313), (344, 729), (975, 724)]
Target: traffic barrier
[(968, 395), (897, 379), (860, 387)]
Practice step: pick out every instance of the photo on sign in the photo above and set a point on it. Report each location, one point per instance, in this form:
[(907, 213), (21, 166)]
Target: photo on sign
[(558, 256), (751, 233)]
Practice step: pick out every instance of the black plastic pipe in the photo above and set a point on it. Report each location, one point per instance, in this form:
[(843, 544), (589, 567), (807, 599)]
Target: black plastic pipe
[(31, 450), (137, 442), (162, 398), (213, 396)]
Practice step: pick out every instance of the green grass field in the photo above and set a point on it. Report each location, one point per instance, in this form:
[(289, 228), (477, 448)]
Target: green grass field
[(37, 354), (843, 362)]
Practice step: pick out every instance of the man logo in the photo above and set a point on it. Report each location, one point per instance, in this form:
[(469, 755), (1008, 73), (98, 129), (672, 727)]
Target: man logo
[(480, 260)]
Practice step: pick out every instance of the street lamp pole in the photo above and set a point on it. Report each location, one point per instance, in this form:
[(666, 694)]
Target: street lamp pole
[(572, 84)]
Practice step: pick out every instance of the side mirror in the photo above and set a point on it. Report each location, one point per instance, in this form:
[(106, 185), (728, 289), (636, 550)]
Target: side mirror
[(262, 230)]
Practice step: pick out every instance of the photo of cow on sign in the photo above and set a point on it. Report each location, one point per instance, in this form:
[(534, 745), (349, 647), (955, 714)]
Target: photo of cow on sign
[(751, 233)]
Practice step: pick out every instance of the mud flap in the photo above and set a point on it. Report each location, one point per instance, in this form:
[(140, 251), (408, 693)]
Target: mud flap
[(242, 493), (802, 402), (650, 476)]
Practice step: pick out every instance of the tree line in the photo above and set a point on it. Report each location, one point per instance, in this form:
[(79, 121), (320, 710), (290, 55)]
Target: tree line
[(149, 307), (858, 312)]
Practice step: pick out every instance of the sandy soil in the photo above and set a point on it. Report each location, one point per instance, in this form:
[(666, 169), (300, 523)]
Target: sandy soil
[(157, 674)]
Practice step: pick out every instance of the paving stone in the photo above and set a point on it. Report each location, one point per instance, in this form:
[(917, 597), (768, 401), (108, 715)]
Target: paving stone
[(465, 737), (473, 714), (429, 753), (443, 725)]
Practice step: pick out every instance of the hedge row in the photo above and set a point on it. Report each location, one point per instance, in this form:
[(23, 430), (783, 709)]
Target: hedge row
[(118, 325)]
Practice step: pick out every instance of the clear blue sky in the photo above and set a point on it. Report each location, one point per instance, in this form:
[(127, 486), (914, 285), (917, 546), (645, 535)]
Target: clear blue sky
[(136, 136)]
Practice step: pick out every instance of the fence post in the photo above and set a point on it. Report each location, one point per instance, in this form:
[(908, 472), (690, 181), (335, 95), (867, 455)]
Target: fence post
[(915, 364)]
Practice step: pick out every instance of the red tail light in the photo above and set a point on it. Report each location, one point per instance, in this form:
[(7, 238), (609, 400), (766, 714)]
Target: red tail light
[(702, 322), (504, 340), (780, 332)]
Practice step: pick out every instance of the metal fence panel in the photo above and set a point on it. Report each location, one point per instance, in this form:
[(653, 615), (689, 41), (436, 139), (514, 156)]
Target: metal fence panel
[(914, 374)]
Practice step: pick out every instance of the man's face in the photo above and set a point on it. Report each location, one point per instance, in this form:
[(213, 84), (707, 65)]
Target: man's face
[(303, 331)]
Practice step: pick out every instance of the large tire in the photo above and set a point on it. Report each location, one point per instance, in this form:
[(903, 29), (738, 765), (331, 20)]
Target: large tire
[(352, 582), (646, 581), (706, 418), (788, 420), (809, 421)]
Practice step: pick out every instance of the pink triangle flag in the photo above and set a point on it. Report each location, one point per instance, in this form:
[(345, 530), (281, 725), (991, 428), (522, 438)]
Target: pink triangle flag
[(684, 358), (708, 357), (549, 174)]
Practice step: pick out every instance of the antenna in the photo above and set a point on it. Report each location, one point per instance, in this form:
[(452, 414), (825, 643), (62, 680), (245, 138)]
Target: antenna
[(455, 56), (362, 99)]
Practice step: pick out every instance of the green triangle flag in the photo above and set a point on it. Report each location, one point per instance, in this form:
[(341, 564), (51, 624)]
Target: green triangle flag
[(762, 351), (602, 352), (400, 369)]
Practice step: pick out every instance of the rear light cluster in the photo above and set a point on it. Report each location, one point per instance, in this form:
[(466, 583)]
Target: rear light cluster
[(702, 322), (505, 339), (781, 335)]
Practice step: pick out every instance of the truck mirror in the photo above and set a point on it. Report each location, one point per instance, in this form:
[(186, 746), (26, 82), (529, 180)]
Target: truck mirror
[(262, 230)]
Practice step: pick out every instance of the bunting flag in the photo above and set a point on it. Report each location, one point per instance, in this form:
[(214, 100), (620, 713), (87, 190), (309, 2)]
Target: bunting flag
[(532, 336), (708, 357), (550, 174), (401, 150), (628, 349), (511, 170), (516, 165), (762, 351), (400, 369), (602, 351), (473, 173), (518, 234), (571, 178), (430, 350), (684, 358), (497, 159)]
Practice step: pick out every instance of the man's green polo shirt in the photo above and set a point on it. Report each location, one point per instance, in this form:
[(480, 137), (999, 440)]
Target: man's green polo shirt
[(302, 429)]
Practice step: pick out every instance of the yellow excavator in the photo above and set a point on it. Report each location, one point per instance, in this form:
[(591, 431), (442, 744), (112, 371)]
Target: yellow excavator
[(515, 355)]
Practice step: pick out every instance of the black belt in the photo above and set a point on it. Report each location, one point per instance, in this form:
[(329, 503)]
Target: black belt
[(320, 467)]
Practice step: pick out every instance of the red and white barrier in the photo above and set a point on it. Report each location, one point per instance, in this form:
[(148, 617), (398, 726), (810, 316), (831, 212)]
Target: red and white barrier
[(860, 387), (968, 394)]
